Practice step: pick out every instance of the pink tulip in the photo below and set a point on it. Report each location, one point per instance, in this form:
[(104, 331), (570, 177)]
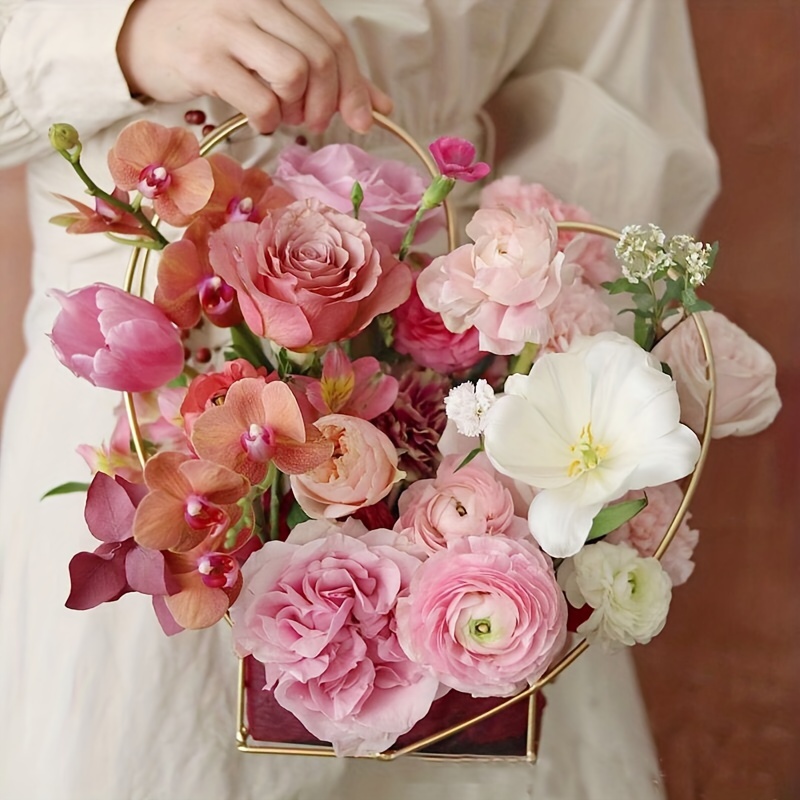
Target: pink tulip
[(115, 340)]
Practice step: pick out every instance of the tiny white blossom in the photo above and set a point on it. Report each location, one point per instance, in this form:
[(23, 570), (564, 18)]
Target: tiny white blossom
[(695, 255), (641, 252), (630, 595), (467, 404)]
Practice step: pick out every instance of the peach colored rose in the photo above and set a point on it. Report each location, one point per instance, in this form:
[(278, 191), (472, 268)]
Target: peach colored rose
[(308, 275), (503, 283), (747, 398), (361, 471)]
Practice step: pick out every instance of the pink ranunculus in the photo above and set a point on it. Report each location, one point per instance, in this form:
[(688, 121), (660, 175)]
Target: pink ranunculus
[(320, 616), (486, 615), (392, 189), (422, 334), (115, 340), (747, 399), (646, 530), (308, 275), (361, 471), (456, 503), (503, 283), (455, 159), (592, 253)]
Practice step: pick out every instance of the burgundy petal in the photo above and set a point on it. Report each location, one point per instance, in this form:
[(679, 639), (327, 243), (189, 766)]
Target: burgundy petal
[(146, 572), (109, 509), (96, 578)]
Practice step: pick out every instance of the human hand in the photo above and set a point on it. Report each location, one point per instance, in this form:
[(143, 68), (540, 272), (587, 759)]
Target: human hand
[(274, 60)]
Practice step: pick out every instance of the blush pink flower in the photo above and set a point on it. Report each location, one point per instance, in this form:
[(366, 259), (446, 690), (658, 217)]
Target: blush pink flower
[(258, 424), (747, 398), (189, 500), (307, 275), (320, 617), (165, 165), (361, 470), (646, 530), (115, 340), (359, 388), (456, 503), (503, 283), (422, 334), (592, 253), (103, 218), (392, 189), (455, 159), (486, 615)]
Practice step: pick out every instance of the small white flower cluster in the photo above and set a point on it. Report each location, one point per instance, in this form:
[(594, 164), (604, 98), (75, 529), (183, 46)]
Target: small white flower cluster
[(645, 251), (630, 594), (467, 405)]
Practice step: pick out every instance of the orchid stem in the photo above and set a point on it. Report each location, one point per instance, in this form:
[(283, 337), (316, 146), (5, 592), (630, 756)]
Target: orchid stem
[(274, 501)]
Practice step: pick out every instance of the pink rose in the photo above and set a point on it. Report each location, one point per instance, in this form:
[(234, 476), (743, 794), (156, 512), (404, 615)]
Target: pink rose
[(579, 310), (392, 189), (486, 615), (455, 159), (320, 616), (307, 275), (458, 502), (646, 530), (592, 253), (422, 334), (502, 284), (361, 471), (747, 399), (115, 340)]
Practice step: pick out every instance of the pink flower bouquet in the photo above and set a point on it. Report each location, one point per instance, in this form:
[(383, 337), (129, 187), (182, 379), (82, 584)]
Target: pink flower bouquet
[(398, 474)]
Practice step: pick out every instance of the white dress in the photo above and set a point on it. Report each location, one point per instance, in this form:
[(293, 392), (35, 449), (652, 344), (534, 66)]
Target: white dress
[(598, 99)]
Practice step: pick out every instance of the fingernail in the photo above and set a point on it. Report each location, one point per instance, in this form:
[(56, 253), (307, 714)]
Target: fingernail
[(362, 119)]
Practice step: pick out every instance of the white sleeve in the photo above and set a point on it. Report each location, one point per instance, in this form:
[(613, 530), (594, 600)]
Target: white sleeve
[(58, 63), (606, 110)]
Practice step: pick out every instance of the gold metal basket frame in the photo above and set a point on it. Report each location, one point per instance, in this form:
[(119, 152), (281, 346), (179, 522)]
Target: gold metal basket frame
[(140, 257)]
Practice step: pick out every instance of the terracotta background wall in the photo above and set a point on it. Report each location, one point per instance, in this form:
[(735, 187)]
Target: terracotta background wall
[(721, 681)]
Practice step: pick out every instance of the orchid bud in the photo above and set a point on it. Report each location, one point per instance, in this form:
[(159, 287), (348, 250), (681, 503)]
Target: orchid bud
[(64, 137)]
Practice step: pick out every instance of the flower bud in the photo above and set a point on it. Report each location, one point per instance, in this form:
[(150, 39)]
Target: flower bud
[(438, 190), (63, 137)]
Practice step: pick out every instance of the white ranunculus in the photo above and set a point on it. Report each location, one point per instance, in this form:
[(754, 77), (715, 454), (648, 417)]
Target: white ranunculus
[(630, 595), (585, 427)]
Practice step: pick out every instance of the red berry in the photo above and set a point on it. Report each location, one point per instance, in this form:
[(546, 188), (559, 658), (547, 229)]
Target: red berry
[(202, 355), (195, 117), (301, 140), (207, 129)]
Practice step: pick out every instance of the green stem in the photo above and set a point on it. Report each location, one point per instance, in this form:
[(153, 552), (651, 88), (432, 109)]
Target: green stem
[(408, 239), (274, 501)]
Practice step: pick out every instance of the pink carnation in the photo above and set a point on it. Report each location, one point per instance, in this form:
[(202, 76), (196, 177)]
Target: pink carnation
[(503, 283), (308, 275), (486, 615), (392, 189), (456, 503), (646, 530), (592, 253), (320, 617)]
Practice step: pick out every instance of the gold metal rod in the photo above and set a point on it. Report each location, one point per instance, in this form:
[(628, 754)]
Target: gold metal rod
[(242, 734)]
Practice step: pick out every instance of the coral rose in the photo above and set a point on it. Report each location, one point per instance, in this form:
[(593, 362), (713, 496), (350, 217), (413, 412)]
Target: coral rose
[(307, 275), (361, 471), (747, 398), (486, 615)]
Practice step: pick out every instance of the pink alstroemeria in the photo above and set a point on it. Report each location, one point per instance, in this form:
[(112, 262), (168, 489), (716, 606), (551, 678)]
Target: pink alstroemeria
[(455, 159), (358, 388), (119, 565), (257, 424), (188, 286), (103, 218), (241, 194), (115, 340), (189, 500), (165, 165)]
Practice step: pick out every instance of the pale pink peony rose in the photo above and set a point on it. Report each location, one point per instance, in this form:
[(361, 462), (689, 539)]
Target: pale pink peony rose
[(486, 615), (320, 616), (361, 471), (503, 283), (747, 398), (592, 253), (646, 530), (115, 340), (392, 189), (308, 275), (469, 501), (579, 310), (422, 334)]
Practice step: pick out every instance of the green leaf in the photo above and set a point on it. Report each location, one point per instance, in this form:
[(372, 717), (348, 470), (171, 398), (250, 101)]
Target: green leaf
[(666, 369), (284, 364), (611, 517), (699, 305), (622, 285), (180, 382), (469, 457), (248, 346), (643, 333), (296, 515), (66, 488)]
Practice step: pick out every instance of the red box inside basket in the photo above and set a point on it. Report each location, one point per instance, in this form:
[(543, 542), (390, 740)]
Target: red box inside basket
[(503, 735)]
